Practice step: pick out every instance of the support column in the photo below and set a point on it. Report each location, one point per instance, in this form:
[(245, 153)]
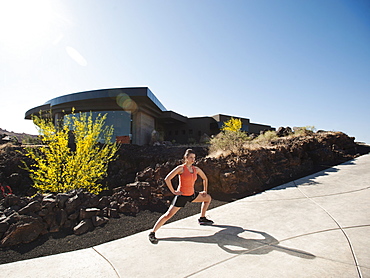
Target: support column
[(142, 128)]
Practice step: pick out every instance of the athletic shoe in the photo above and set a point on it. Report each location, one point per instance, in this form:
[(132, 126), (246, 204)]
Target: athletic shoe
[(205, 221), (152, 238)]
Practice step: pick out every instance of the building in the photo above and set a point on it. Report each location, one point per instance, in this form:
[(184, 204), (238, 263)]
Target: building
[(135, 113)]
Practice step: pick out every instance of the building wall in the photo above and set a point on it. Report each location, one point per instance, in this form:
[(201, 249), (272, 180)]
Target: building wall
[(191, 131), (143, 126), (138, 121), (194, 128), (257, 128), (224, 118)]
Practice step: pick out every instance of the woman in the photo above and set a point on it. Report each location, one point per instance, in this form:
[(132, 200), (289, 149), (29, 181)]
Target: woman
[(185, 192)]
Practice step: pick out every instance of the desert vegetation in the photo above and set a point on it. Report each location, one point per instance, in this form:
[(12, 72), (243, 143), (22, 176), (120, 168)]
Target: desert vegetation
[(233, 140), (69, 184), (71, 157)]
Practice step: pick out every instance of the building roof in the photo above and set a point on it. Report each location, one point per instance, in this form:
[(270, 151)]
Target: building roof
[(105, 99)]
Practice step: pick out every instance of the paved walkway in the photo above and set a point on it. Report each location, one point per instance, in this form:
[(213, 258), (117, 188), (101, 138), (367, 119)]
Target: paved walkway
[(317, 226)]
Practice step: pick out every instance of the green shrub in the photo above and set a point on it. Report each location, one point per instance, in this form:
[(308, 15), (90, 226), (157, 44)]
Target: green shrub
[(228, 141), (31, 140), (304, 131), (62, 165), (267, 136)]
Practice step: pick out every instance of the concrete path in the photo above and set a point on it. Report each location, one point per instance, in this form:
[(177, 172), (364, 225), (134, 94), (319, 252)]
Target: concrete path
[(317, 226)]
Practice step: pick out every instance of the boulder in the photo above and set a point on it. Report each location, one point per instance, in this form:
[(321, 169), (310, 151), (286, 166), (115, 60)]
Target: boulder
[(103, 202), (284, 131), (91, 200), (145, 189), (72, 203), (49, 203), (61, 217), (83, 227), (69, 224), (4, 226), (145, 175), (34, 206), (61, 199), (12, 200), (25, 230), (51, 221), (99, 221), (13, 218), (126, 207), (43, 212), (88, 213), (133, 191), (74, 215), (113, 213)]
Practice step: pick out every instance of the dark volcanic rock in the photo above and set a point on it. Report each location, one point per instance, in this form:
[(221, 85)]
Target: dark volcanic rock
[(257, 169), (99, 221), (25, 230), (34, 206), (84, 226), (253, 170)]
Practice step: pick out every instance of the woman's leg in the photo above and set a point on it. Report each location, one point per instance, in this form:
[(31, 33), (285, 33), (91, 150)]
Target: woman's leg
[(165, 217), (205, 200)]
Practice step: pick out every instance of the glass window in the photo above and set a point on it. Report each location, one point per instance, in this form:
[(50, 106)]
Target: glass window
[(245, 128), (120, 120)]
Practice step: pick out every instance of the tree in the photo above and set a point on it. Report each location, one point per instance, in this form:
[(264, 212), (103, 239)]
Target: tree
[(61, 165)]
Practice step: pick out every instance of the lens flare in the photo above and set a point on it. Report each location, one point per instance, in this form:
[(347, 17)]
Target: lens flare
[(126, 103), (76, 56)]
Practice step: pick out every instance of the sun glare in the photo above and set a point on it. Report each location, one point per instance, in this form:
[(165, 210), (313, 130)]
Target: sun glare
[(24, 23), (76, 56)]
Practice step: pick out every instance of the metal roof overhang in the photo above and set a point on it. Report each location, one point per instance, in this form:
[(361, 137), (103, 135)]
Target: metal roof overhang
[(43, 109), (125, 99), (170, 117)]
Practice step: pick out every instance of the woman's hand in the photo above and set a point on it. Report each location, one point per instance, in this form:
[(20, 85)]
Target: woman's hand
[(203, 194), (177, 193)]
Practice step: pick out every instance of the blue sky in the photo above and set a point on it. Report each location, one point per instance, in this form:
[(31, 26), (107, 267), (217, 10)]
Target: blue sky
[(276, 62)]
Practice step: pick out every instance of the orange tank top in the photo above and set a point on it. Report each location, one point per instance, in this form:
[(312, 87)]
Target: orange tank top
[(187, 180)]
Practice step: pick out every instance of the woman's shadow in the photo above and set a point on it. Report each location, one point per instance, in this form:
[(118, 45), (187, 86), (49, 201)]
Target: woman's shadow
[(228, 239)]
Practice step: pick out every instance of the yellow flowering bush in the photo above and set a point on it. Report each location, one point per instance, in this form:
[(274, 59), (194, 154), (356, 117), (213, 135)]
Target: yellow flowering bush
[(71, 156), (232, 125), (230, 139)]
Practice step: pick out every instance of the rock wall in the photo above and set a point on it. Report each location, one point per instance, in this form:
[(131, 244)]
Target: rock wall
[(23, 219), (255, 170), (131, 159)]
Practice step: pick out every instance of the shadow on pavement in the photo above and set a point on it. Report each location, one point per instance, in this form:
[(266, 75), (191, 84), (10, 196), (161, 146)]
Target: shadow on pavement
[(228, 239), (309, 179)]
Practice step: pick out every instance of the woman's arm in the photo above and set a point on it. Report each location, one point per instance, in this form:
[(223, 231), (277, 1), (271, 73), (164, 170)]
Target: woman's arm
[(169, 178), (205, 180)]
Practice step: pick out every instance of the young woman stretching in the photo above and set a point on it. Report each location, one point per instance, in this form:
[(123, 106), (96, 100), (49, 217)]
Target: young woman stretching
[(185, 192)]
